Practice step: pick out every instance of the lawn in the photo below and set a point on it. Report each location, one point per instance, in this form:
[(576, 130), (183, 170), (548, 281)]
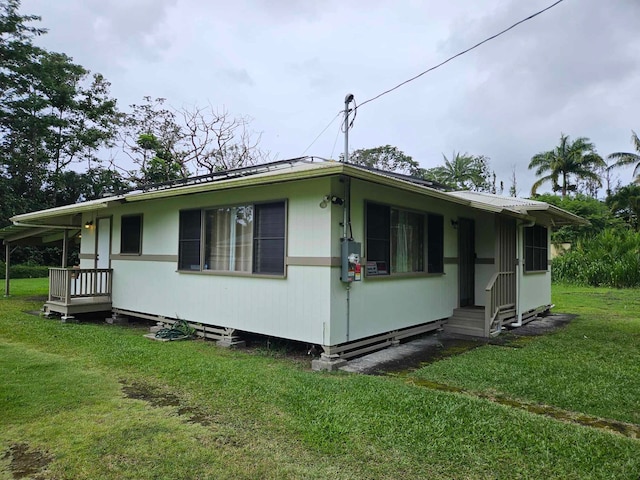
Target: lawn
[(90, 401)]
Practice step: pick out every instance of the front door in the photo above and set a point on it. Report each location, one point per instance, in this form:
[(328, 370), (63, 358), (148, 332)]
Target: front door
[(466, 261), (103, 255)]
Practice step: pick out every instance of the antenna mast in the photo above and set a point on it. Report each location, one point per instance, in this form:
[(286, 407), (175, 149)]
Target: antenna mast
[(347, 100)]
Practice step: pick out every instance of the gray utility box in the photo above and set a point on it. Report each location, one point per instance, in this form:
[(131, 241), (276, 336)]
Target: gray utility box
[(351, 270)]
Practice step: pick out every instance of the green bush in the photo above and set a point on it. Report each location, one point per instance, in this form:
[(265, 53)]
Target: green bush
[(25, 271), (609, 259)]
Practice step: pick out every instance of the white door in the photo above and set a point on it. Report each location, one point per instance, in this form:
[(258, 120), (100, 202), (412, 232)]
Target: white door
[(103, 252), (103, 247)]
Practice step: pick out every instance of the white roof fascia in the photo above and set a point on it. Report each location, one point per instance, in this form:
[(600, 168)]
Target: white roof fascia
[(66, 210)]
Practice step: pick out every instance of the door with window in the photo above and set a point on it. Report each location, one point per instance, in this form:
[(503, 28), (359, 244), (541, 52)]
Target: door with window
[(466, 261)]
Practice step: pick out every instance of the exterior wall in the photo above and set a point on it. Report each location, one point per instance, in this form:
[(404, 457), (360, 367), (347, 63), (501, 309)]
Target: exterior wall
[(379, 305), (296, 306), (536, 286), (310, 303)]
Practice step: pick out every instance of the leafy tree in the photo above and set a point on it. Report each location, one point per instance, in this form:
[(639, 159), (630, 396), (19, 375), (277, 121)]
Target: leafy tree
[(623, 159), (463, 172), (388, 158), (595, 211), (150, 131), (52, 113), (625, 204), (576, 158)]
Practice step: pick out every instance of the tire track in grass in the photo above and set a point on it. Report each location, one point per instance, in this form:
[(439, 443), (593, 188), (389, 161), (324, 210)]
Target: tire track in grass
[(629, 430)]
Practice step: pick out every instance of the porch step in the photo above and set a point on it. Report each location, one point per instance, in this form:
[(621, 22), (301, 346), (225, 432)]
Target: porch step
[(466, 321)]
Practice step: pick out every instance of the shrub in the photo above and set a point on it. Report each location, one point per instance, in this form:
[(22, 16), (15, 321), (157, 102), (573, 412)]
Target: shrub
[(25, 271), (609, 259)]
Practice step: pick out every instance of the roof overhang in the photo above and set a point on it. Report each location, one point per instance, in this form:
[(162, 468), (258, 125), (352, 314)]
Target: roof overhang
[(299, 170)]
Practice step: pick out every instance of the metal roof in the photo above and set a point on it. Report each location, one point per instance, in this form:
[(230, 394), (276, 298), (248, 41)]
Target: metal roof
[(549, 214), (284, 171)]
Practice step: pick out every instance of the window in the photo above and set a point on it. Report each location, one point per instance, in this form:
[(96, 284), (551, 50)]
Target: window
[(401, 241), (243, 238), (131, 234), (535, 248)]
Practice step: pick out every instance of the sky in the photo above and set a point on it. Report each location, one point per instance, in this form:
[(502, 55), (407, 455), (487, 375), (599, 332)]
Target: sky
[(288, 64)]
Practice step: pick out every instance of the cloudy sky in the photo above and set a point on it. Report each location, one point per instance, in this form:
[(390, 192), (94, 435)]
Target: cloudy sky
[(289, 63)]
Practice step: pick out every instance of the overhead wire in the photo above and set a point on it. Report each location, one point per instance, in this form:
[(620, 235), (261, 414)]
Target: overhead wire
[(459, 54), (322, 132)]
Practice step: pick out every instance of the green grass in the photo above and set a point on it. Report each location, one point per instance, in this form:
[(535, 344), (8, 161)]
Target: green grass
[(218, 413), (591, 366)]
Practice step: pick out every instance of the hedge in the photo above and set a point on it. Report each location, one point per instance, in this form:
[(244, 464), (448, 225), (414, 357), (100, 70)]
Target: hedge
[(24, 271)]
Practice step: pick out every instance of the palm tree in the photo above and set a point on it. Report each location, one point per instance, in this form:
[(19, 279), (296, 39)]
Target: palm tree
[(624, 159), (462, 172), (577, 158)]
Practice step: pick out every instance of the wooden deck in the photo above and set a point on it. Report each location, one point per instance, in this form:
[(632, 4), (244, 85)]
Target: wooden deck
[(75, 290)]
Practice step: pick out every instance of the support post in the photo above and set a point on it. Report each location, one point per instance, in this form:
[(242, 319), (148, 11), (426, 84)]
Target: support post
[(7, 261), (65, 241)]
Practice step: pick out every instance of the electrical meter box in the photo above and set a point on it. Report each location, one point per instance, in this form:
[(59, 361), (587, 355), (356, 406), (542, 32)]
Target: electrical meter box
[(350, 256)]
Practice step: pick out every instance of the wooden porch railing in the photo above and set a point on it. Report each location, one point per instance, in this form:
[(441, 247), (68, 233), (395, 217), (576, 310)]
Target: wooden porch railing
[(66, 284), (500, 295)]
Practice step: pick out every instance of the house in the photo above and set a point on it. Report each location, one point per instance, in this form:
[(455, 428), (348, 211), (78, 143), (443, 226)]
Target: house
[(328, 253)]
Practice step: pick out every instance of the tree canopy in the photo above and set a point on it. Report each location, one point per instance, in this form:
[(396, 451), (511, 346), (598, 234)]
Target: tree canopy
[(577, 159), (622, 159)]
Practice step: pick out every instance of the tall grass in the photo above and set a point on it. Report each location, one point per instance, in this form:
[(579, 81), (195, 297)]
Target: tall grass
[(609, 259)]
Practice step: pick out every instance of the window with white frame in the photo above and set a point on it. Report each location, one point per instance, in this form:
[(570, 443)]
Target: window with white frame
[(536, 248), (400, 241), (240, 238)]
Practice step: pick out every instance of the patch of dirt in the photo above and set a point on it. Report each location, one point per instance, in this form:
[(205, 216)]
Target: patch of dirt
[(446, 346), (25, 462), (449, 345), (158, 398)]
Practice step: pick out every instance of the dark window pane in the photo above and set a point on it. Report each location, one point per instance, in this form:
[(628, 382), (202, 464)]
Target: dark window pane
[(378, 239), (189, 240), (269, 238), (131, 234), (435, 243), (536, 248)]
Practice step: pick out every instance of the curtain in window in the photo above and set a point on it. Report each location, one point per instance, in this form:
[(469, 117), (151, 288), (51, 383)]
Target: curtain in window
[(228, 239), (407, 241)]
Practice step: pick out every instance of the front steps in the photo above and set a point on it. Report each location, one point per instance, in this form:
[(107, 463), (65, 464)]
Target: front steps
[(470, 321), (466, 321)]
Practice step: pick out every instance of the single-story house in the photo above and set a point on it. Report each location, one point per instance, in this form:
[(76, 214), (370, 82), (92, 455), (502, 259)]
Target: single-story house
[(333, 254)]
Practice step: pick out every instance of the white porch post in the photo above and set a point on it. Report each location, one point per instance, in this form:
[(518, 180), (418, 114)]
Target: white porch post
[(519, 272), (65, 241), (7, 258)]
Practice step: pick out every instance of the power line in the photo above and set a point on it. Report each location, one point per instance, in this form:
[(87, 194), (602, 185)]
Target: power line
[(320, 134), (461, 53)]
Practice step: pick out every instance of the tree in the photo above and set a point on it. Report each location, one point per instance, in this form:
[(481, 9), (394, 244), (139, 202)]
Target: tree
[(463, 172), (576, 158), (589, 208), (623, 159), (52, 113), (215, 141), (151, 131), (386, 158), (178, 142), (625, 204)]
